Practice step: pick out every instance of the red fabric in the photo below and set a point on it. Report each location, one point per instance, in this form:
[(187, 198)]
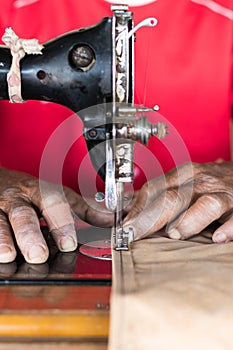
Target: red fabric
[(184, 65)]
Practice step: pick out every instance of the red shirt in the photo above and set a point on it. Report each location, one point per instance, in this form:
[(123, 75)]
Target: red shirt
[(184, 65)]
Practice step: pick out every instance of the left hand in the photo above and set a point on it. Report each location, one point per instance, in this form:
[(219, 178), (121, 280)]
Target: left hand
[(186, 200), (24, 199)]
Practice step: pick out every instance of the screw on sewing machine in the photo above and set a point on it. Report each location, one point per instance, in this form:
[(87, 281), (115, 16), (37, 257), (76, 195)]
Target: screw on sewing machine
[(99, 197), (92, 133), (41, 74), (82, 57)]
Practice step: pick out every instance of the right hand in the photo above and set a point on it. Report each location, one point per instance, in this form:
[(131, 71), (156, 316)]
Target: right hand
[(185, 201)]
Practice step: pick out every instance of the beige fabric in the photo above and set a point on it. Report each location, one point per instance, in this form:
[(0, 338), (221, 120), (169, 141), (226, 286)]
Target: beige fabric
[(170, 295)]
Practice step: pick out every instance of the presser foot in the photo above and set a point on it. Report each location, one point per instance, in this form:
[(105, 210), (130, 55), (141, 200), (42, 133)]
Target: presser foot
[(122, 239), (102, 249)]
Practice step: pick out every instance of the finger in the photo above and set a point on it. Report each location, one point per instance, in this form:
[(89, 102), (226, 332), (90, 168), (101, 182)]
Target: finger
[(203, 212), (7, 249), (168, 206), (30, 240), (89, 210), (180, 176), (140, 202), (224, 233), (56, 211), (129, 201), (176, 177), (61, 225)]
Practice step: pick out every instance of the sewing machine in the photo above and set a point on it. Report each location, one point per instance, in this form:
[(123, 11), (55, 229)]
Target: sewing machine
[(90, 71)]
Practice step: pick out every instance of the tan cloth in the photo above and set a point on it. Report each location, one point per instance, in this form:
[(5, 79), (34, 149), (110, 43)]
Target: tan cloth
[(170, 295)]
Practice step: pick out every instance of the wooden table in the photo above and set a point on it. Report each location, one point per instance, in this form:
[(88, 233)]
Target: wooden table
[(54, 316)]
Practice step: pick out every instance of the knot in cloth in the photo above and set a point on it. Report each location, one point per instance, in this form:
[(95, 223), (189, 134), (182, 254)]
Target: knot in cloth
[(19, 48)]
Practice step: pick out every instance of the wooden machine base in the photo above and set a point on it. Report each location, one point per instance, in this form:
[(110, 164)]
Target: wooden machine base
[(62, 304)]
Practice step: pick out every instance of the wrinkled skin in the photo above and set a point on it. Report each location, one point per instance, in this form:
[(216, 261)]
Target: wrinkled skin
[(185, 201), (24, 199)]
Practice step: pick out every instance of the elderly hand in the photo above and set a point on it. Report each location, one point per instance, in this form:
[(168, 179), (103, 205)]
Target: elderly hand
[(186, 200), (23, 200)]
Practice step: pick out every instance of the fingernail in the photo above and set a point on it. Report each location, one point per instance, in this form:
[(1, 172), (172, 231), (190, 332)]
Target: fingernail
[(220, 237), (174, 233), (37, 255), (7, 254), (67, 244)]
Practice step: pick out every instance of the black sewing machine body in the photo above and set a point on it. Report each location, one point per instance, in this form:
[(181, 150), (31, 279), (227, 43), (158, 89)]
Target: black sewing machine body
[(59, 75), (75, 70), (91, 71)]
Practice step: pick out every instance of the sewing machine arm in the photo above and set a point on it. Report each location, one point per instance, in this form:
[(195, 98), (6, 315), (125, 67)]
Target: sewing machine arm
[(91, 71), (74, 70)]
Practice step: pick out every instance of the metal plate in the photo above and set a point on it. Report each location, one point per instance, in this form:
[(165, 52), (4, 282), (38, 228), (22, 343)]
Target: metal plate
[(64, 268), (97, 249)]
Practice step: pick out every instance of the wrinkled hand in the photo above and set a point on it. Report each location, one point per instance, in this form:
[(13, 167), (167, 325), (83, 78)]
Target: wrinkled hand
[(23, 200), (186, 200)]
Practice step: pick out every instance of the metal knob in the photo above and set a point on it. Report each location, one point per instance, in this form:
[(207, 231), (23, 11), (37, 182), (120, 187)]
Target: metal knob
[(144, 130)]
